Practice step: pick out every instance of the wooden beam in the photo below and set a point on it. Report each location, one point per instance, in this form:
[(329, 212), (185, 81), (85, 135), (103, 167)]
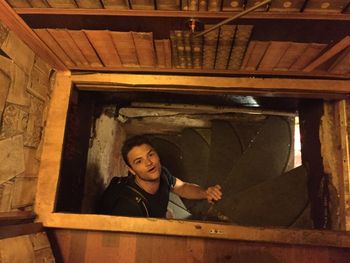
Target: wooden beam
[(198, 229), (194, 14), (342, 114), (200, 84), (17, 217), (51, 159), (53, 143), (216, 72), (338, 47), (15, 23), (19, 230)]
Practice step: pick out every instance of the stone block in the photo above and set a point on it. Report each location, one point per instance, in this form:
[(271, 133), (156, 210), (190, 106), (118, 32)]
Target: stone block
[(5, 85), (19, 52), (44, 255), (39, 240), (11, 158), (15, 120), (6, 196), (19, 82), (23, 192), (4, 31), (16, 250), (33, 133), (31, 163), (40, 80)]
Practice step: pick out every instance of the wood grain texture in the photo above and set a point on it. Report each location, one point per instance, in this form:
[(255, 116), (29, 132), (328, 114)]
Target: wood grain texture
[(155, 248), (25, 33), (53, 140), (328, 54), (216, 83)]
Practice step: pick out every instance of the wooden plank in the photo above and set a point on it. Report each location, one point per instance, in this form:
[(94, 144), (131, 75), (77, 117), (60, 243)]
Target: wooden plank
[(19, 3), (16, 217), (124, 43), (342, 64), (142, 4), (338, 47), (223, 72), (256, 55), (293, 52), (197, 229), (102, 41), (66, 42), (193, 249), (345, 162), (227, 83), (168, 4), (48, 39), (273, 54), (62, 3), (53, 141), (307, 56), (38, 3), (115, 4), (193, 14), (86, 48), (89, 3), (21, 229), (25, 33)]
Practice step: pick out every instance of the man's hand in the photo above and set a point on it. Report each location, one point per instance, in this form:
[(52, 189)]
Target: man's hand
[(214, 193)]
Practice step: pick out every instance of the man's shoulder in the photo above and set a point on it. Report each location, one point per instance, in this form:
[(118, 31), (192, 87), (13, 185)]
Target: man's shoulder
[(122, 198)]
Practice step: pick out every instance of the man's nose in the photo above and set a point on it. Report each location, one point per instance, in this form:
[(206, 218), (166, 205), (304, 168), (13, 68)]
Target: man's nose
[(149, 162)]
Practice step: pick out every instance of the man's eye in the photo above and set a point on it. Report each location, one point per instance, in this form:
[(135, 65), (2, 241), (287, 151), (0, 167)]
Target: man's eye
[(138, 162)]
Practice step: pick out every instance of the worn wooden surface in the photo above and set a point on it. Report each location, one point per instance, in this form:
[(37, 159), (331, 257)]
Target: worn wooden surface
[(52, 148), (87, 246), (335, 156), (271, 86)]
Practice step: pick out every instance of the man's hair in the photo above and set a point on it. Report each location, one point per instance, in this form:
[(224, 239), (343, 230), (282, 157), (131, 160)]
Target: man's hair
[(131, 143)]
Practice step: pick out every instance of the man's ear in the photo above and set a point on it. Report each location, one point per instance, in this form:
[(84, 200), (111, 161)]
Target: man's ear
[(131, 170)]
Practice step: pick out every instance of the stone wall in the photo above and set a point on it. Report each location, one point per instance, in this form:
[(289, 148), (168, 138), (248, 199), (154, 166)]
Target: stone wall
[(24, 96), (26, 248), (25, 88)]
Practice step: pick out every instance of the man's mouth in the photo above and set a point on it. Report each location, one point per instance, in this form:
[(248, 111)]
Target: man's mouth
[(152, 169)]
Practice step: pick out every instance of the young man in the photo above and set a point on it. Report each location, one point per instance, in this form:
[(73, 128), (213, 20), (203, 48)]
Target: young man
[(146, 190)]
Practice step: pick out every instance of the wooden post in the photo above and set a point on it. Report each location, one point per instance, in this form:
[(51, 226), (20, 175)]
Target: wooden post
[(52, 147)]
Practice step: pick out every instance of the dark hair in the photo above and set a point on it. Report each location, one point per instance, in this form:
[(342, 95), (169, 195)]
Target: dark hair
[(131, 143)]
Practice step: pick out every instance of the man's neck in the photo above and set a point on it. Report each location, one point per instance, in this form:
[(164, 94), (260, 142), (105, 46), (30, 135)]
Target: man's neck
[(150, 187)]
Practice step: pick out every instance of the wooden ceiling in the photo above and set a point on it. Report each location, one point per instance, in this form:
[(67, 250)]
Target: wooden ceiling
[(288, 38)]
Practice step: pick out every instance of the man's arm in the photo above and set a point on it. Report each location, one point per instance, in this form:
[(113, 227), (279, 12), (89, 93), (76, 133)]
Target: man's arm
[(194, 191)]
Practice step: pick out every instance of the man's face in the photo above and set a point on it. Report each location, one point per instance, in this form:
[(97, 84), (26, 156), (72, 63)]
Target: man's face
[(144, 162)]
